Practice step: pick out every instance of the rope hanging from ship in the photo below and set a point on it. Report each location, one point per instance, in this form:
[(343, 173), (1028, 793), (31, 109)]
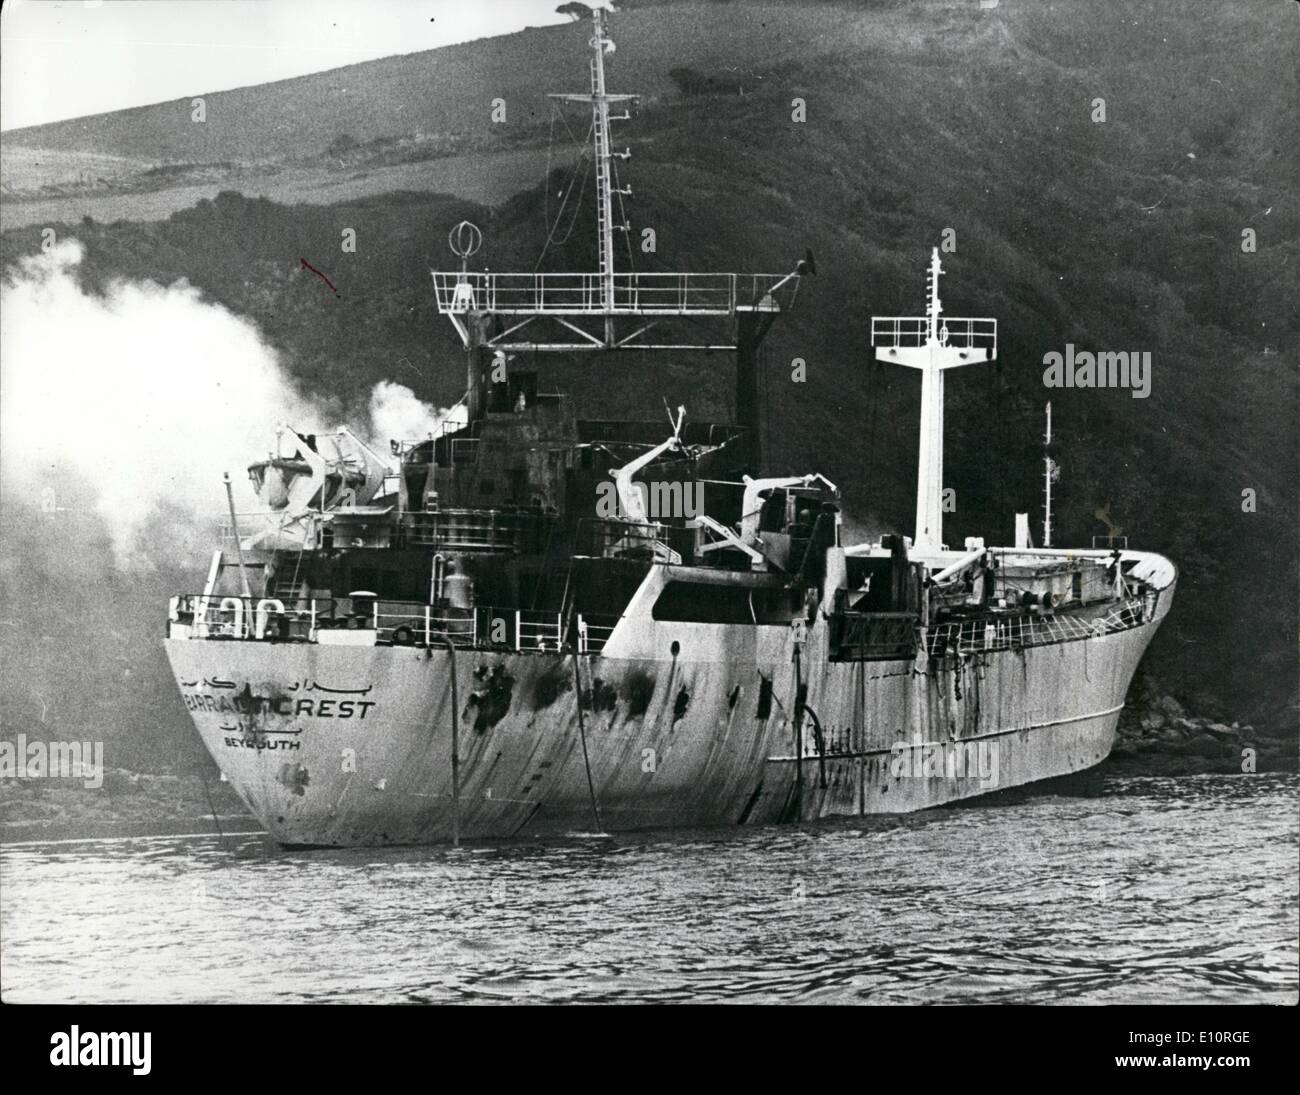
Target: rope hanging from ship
[(582, 732)]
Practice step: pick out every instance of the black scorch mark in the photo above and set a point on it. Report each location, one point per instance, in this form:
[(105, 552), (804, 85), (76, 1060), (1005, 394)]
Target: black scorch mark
[(638, 690), (601, 696), (492, 697), (680, 705), (550, 686), (295, 777)]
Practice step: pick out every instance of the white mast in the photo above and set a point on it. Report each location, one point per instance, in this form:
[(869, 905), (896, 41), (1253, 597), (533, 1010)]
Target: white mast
[(932, 345)]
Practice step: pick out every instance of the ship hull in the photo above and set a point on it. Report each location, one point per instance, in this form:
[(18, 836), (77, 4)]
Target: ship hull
[(353, 745)]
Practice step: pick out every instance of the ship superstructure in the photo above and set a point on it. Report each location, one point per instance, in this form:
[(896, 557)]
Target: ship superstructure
[(529, 622)]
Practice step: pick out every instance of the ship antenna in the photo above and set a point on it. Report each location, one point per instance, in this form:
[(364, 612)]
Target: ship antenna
[(601, 44), (933, 306)]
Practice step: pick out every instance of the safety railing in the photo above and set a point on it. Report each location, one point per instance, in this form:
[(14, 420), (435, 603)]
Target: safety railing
[(304, 529), (871, 636), (591, 633), (479, 530), (216, 616), (411, 624), (365, 621), (584, 294), (631, 540), (953, 331), (1016, 632)]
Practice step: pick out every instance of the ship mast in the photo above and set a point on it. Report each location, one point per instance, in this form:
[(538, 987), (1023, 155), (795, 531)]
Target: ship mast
[(600, 100), (496, 314), (933, 345)]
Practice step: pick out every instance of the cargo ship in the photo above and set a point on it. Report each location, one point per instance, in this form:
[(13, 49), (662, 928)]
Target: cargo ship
[(528, 623)]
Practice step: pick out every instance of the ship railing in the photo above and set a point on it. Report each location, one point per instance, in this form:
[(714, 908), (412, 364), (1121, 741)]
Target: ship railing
[(906, 331), (1017, 632), (412, 624), (592, 631), (383, 622), (483, 627), (403, 448), (1108, 542), (459, 292), (648, 542), (538, 630), (254, 521), (873, 636), (478, 530), (224, 616)]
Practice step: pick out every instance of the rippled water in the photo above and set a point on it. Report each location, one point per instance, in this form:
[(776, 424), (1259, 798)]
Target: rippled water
[(1142, 890)]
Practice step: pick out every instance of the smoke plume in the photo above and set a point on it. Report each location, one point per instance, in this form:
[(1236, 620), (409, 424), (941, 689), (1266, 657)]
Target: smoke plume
[(147, 394), (397, 413)]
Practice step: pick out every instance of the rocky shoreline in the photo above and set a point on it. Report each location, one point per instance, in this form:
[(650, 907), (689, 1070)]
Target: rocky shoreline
[(1156, 737)]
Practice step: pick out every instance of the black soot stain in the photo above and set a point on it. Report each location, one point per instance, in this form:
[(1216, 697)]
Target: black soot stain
[(492, 697), (295, 777), (601, 696), (638, 689), (680, 705), (550, 686)]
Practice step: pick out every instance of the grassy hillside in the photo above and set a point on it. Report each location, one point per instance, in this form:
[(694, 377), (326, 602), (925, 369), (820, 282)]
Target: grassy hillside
[(1116, 235)]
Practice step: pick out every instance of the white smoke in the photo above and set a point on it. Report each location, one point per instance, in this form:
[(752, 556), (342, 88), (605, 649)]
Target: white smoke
[(397, 413), (148, 394)]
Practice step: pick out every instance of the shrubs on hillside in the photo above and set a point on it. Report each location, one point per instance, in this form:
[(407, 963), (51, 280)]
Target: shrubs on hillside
[(690, 81)]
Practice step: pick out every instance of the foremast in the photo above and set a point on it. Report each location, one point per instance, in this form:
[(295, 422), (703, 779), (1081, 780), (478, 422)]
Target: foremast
[(933, 345)]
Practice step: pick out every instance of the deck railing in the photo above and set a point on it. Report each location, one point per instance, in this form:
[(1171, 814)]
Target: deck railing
[(479, 530), (630, 540), (956, 331), (358, 621), (366, 622), (591, 633), (583, 294), (1017, 632)]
